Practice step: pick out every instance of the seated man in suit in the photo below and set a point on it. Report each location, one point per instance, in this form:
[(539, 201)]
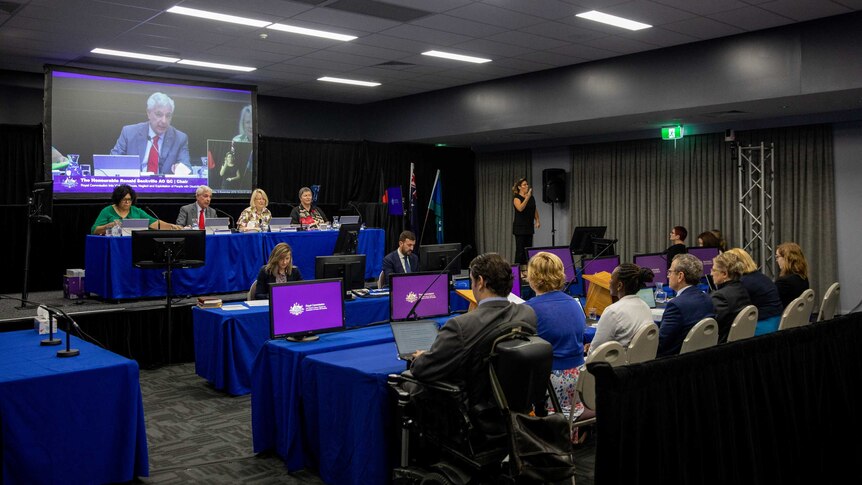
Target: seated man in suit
[(689, 307), (402, 260), (455, 356), (198, 212), (163, 149)]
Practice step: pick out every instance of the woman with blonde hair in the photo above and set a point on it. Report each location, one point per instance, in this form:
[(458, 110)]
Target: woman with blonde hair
[(256, 216), (762, 292), (730, 297), (560, 321), (793, 275), (279, 269)]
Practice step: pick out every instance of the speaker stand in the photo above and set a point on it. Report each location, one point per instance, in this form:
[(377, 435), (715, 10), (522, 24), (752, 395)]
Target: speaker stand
[(553, 227)]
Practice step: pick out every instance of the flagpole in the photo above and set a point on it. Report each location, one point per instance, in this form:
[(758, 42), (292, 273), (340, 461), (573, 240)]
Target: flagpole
[(428, 207)]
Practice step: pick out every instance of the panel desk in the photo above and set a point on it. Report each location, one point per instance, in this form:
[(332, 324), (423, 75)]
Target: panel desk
[(278, 382), (68, 420), (232, 263)]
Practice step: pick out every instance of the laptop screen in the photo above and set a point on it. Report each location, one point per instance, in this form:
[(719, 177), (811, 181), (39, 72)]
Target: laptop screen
[(647, 295), (413, 336), (406, 289)]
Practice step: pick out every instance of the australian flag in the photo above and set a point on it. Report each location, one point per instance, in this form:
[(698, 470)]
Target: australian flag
[(414, 203), (436, 206)]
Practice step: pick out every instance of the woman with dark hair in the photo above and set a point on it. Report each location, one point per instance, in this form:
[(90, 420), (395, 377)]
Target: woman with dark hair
[(123, 207), (279, 269), (677, 238), (722, 243), (707, 239), (526, 218), (306, 213), (730, 296), (793, 275), (622, 319)]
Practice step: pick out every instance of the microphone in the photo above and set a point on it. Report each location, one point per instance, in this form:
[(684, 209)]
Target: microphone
[(153, 213), (353, 204), (230, 218), (445, 269), (584, 269), (69, 352)]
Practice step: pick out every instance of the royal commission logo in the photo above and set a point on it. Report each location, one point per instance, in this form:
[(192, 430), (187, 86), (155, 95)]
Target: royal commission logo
[(296, 310), (412, 296)]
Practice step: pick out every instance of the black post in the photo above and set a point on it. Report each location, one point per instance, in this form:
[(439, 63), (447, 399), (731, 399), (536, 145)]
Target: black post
[(553, 227), (51, 340), (170, 259), (24, 292), (69, 352)]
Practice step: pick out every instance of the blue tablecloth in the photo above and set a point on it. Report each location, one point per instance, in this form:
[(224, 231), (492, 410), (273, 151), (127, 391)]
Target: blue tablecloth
[(233, 261), (348, 430), (277, 383), (72, 420), (226, 342)]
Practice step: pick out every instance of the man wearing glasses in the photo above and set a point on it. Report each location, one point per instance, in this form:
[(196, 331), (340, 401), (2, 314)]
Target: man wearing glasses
[(689, 307)]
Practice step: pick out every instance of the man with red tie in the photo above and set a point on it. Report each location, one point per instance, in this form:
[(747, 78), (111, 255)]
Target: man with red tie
[(200, 211), (163, 149)]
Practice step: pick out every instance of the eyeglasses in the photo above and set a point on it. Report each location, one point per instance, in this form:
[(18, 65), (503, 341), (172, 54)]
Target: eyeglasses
[(671, 271)]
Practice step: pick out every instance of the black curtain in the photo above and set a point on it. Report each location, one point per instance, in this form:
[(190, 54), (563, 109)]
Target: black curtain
[(353, 172), (772, 409)]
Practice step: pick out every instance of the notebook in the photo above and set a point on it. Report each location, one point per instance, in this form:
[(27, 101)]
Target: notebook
[(647, 295), (411, 336)]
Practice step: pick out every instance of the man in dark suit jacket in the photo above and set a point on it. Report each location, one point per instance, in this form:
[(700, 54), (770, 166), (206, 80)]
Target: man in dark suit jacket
[(190, 214), (158, 137), (402, 260), (689, 307), (455, 356)]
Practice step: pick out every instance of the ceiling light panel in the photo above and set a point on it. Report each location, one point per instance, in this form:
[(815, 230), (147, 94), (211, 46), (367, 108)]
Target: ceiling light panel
[(456, 57), (312, 32), (609, 19), (193, 12), (133, 55), (348, 81)]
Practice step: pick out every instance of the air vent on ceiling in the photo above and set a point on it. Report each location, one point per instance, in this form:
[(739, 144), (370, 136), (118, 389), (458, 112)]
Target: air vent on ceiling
[(310, 2), (395, 64), (379, 9), (726, 114), (9, 7)]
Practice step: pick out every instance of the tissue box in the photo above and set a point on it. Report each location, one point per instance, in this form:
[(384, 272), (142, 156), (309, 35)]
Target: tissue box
[(75, 272), (73, 287), (41, 325)]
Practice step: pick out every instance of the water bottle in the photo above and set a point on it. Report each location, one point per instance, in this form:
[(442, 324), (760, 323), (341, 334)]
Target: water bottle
[(660, 295), (118, 228)]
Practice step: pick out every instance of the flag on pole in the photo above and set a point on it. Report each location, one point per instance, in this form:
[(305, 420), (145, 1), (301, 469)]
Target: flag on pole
[(435, 205), (414, 203), (383, 190)]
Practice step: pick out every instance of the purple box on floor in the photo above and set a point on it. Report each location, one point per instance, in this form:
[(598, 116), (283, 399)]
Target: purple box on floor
[(73, 287)]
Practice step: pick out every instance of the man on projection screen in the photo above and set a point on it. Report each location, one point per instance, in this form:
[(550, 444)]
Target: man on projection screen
[(163, 149)]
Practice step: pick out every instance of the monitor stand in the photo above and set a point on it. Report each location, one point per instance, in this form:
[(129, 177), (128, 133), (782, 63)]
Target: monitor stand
[(305, 338)]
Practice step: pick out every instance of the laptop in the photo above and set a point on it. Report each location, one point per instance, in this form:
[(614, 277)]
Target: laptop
[(218, 224), (277, 224), (130, 225), (117, 165), (647, 295), (348, 220), (413, 336)]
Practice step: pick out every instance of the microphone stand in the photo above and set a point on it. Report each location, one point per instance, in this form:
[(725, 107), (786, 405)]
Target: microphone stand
[(412, 311), (52, 311), (581, 260), (229, 217), (153, 213)]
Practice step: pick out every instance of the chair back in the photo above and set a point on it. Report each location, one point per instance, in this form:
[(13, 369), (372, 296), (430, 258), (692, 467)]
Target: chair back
[(830, 303), (701, 336), (522, 366), (644, 345), (798, 312), (744, 324), (380, 283), (251, 291), (611, 352)]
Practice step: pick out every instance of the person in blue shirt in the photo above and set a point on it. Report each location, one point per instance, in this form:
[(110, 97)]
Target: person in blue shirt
[(560, 321), (688, 307)]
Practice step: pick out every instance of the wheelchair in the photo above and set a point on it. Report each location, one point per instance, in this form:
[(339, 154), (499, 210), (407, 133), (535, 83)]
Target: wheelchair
[(448, 438)]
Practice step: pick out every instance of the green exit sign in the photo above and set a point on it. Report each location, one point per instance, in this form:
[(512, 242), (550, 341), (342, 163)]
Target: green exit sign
[(671, 132)]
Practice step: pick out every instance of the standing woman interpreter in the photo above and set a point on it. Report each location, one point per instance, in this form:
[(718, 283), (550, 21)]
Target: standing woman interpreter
[(526, 217)]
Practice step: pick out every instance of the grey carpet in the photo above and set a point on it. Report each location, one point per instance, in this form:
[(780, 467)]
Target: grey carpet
[(199, 435)]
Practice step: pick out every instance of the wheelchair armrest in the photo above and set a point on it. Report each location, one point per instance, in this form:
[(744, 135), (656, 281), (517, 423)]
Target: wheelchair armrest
[(407, 376)]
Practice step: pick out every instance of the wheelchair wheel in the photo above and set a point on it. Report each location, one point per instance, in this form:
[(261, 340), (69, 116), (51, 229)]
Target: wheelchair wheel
[(435, 478)]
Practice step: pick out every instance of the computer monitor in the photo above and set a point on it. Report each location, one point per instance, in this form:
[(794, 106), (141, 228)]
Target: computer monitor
[(435, 257), (705, 255), (349, 267), (561, 252), (604, 247), (597, 265), (351, 219), (405, 289), (187, 249), (656, 262), (348, 239), (516, 280), (300, 310), (582, 238)]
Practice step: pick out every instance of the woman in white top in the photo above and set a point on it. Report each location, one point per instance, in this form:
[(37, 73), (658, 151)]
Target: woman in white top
[(622, 319)]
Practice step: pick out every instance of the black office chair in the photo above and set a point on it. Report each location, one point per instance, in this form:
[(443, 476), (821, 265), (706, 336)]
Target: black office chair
[(447, 439)]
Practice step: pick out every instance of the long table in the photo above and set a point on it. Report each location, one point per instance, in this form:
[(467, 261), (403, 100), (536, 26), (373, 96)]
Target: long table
[(68, 420), (278, 408), (232, 263)]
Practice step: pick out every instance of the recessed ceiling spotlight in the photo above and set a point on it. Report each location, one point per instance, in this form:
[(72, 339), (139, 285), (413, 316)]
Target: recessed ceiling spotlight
[(348, 81), (609, 19), (456, 57)]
